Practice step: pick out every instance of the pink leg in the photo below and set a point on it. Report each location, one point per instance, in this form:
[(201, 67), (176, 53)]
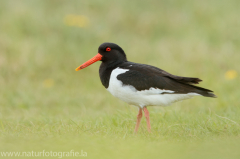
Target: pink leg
[(139, 117), (146, 113)]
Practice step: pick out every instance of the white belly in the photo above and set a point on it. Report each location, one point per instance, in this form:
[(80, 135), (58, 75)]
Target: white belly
[(143, 98)]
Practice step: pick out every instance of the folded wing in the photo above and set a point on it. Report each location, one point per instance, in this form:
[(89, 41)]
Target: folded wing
[(146, 77)]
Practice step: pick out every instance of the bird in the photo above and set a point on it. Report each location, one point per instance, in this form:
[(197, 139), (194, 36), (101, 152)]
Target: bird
[(142, 85)]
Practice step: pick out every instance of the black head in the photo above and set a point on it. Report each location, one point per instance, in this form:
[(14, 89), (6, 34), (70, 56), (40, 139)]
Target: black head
[(111, 52)]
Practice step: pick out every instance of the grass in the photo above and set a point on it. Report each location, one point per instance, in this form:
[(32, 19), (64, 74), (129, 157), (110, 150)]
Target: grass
[(46, 105)]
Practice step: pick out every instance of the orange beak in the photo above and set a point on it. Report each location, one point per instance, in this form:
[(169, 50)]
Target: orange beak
[(89, 62)]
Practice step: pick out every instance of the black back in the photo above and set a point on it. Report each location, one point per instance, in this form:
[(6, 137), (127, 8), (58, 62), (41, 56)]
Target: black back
[(144, 77)]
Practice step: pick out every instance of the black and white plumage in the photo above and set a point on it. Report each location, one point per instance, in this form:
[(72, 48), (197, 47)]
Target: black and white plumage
[(139, 84)]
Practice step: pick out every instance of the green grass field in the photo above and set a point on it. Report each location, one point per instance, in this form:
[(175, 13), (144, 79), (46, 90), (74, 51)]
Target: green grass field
[(45, 105)]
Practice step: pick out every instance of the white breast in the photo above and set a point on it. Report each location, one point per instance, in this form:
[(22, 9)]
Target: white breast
[(142, 98)]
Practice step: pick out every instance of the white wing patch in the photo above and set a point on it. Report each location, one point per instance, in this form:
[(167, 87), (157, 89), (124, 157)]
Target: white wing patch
[(153, 96), (154, 91)]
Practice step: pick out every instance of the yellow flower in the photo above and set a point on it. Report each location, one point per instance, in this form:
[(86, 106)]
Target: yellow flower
[(231, 74), (76, 20), (48, 83)]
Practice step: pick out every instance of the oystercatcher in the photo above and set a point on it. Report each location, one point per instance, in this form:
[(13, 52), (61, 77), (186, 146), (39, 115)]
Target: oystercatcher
[(142, 85)]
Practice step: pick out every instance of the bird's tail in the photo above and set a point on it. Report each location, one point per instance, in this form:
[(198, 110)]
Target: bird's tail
[(204, 92)]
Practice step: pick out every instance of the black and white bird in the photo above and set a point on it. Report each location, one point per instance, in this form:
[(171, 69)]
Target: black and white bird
[(142, 85)]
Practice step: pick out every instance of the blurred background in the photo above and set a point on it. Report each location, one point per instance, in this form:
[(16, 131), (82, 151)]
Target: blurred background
[(42, 96)]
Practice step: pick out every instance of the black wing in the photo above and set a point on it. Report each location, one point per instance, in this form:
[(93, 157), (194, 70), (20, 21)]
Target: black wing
[(144, 77)]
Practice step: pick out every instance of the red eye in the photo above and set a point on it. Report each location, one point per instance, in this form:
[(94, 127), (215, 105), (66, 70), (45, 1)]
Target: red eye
[(108, 49)]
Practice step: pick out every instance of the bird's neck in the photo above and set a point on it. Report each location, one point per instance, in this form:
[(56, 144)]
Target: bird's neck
[(105, 71)]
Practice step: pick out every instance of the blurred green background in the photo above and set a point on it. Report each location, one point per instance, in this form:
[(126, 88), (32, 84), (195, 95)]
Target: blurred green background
[(46, 105)]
